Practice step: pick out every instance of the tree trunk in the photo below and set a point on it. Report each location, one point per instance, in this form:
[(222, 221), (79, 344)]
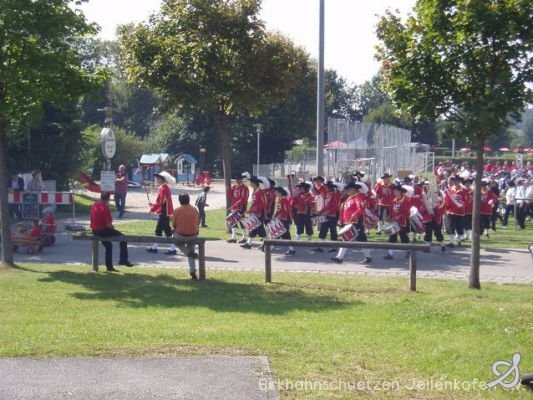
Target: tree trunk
[(473, 280), (221, 122), (7, 250)]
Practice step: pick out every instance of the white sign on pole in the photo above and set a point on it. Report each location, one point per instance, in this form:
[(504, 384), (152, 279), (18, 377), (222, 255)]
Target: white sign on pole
[(107, 181)]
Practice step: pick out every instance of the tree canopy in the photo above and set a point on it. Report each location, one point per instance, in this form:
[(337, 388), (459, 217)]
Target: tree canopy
[(39, 63), (212, 56), (468, 61)]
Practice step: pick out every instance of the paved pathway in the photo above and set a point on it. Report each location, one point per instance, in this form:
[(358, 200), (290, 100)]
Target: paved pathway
[(497, 265), (199, 378)]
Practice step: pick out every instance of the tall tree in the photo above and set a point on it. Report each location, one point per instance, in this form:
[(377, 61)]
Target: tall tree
[(467, 60), (211, 56), (38, 62)]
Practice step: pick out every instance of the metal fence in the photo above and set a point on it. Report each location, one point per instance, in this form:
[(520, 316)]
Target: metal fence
[(353, 146)]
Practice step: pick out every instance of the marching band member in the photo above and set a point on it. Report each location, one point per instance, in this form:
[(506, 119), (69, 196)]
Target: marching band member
[(257, 208), (164, 208), (384, 195), (487, 201), (352, 212), (400, 212), (331, 211), (319, 189), (303, 204), (283, 213), (469, 207), (454, 205), (239, 194), (270, 195), (432, 210)]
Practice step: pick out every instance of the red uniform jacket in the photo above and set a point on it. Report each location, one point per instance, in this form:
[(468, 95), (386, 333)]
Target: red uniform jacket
[(258, 206), (283, 209), (331, 204), (454, 201), (163, 203), (353, 209), (303, 203), (384, 193), (488, 200), (239, 197), (400, 210)]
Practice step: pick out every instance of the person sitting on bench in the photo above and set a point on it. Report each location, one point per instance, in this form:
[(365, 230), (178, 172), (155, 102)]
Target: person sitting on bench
[(102, 226)]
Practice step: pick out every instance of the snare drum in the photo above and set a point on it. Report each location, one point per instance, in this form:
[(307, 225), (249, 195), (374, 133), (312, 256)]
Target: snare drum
[(233, 218), (348, 233), (250, 223), (392, 228), (319, 219), (275, 228)]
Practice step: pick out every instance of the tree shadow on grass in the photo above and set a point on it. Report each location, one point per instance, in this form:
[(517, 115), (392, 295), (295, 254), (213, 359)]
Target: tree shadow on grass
[(138, 290)]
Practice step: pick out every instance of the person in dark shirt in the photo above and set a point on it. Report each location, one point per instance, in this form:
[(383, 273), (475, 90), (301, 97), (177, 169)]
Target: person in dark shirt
[(15, 184), (102, 226), (201, 204)]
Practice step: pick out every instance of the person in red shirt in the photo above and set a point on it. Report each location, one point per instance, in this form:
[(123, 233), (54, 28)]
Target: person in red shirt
[(352, 211), (469, 206), (454, 206), (487, 202), (102, 226), (239, 194), (257, 209), (282, 211), (384, 195), (164, 208), (400, 212), (303, 205), (330, 210)]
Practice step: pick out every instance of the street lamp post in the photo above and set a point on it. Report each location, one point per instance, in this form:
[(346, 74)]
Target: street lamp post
[(259, 129), (320, 118), (202, 158)]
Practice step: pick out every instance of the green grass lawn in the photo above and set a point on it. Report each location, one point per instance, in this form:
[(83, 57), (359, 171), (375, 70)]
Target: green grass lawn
[(313, 328)]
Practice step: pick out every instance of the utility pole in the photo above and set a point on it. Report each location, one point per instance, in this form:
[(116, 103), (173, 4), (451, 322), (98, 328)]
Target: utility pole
[(320, 109)]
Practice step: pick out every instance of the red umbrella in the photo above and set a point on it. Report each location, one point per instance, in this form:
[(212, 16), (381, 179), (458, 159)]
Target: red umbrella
[(504, 149), (337, 144), (465, 149), (528, 149), (486, 148)]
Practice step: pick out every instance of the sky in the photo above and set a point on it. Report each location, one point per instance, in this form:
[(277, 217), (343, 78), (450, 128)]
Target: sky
[(349, 27)]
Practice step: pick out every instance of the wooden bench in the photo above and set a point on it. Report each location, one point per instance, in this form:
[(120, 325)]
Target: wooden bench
[(144, 239), (411, 247)]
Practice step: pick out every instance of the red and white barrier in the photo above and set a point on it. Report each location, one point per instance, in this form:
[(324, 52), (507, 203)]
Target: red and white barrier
[(44, 198)]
